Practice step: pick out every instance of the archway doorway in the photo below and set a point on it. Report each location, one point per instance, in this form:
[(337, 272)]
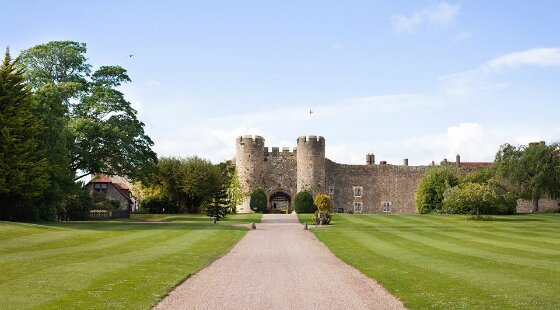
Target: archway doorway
[(280, 202)]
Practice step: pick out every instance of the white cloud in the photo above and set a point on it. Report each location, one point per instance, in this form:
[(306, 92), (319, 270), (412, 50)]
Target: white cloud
[(534, 57), (440, 15), (473, 141), (214, 138), (483, 78)]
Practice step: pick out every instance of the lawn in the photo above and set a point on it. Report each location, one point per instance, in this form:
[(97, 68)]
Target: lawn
[(447, 262), (125, 264)]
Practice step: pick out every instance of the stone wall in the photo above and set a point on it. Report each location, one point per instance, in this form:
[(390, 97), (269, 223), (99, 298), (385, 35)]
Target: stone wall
[(380, 183), (526, 206)]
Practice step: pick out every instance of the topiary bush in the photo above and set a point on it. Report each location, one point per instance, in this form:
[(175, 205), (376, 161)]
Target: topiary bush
[(303, 203), (324, 209), (258, 201)]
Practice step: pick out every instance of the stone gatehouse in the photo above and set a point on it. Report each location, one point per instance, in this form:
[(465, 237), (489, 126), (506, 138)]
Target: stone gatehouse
[(367, 188)]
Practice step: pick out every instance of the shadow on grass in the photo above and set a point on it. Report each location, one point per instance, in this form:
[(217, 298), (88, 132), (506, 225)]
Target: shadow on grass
[(514, 219), (133, 224)]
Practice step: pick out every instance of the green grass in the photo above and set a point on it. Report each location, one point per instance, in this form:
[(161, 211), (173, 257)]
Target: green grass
[(447, 262), (124, 264)]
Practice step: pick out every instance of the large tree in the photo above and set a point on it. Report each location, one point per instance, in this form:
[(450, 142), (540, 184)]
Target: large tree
[(533, 170), (186, 183), (23, 166), (102, 131)]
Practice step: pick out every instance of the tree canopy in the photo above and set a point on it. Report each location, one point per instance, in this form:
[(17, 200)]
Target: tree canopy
[(429, 194), (533, 170), (104, 133), (23, 166)]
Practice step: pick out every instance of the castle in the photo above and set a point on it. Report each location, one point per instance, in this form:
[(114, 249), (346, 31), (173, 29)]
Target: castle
[(368, 188)]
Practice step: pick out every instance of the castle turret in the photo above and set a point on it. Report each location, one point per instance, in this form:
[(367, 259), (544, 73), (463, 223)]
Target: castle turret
[(311, 164), (249, 161)]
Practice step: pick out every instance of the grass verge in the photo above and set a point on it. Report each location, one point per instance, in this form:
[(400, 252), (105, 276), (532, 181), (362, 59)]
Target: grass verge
[(121, 264), (447, 262)]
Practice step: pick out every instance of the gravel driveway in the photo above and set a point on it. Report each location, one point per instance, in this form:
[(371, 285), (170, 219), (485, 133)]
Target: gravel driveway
[(279, 266)]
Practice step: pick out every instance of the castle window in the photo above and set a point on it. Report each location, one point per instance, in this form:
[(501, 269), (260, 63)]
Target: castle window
[(357, 207), (331, 190), (386, 207), (357, 191)]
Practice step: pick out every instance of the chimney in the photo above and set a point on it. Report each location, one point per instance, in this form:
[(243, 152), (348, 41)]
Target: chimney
[(405, 162), (370, 159), (458, 160)]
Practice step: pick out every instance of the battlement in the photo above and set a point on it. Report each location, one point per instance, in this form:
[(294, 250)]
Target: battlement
[(314, 140), (277, 152), (250, 139)]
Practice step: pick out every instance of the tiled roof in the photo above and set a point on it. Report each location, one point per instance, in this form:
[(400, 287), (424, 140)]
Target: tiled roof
[(122, 186), (101, 178)]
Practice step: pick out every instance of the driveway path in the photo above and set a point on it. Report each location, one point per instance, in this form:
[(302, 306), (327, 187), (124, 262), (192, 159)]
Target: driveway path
[(279, 266)]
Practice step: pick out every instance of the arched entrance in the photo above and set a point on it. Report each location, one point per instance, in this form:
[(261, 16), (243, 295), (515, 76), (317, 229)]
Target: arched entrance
[(279, 202)]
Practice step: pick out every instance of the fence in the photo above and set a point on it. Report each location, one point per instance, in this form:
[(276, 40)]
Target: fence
[(95, 215)]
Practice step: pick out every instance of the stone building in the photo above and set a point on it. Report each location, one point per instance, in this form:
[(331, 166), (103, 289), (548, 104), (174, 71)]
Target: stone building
[(114, 188), (368, 188)]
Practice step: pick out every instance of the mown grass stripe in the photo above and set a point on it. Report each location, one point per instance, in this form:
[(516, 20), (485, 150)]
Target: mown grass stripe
[(100, 273), (454, 263), (406, 275)]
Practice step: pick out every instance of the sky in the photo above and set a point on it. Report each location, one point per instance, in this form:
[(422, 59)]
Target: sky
[(423, 80)]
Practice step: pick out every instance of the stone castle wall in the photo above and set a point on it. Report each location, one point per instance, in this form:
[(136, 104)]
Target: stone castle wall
[(379, 183), (281, 166), (383, 188)]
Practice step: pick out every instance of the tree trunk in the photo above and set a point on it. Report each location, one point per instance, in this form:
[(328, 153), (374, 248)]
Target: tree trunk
[(536, 204), (477, 213)]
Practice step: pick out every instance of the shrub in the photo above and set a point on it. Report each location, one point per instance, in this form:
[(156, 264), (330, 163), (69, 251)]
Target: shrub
[(429, 194), (101, 202), (258, 201), (155, 204), (303, 203), (76, 205), (479, 198), (323, 203), (324, 208)]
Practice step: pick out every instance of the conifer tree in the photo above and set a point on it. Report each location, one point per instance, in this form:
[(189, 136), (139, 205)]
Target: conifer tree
[(218, 206), (23, 168)]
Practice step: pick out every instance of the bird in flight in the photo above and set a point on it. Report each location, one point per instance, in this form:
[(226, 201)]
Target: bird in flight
[(310, 112), (130, 55)]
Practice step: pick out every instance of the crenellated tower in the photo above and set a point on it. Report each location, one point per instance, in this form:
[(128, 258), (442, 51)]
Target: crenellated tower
[(249, 160), (311, 164)]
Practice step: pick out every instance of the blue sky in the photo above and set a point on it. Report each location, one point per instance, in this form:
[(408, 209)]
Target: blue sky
[(421, 80)]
